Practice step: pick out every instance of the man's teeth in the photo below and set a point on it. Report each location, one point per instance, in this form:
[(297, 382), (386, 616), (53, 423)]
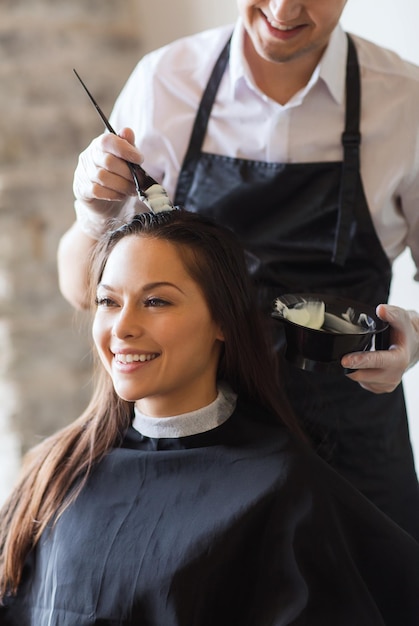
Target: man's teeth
[(131, 358), (279, 27)]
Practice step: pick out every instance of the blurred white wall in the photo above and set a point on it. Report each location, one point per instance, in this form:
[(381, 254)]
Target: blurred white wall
[(163, 21), (394, 25)]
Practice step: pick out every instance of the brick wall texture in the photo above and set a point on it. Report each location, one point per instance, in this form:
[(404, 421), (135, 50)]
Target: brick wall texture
[(45, 121)]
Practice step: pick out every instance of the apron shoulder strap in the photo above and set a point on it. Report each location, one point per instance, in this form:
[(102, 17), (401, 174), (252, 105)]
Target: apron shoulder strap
[(200, 126), (351, 140)]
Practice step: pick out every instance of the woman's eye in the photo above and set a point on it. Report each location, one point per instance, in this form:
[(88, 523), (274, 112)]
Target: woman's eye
[(104, 302), (156, 302)]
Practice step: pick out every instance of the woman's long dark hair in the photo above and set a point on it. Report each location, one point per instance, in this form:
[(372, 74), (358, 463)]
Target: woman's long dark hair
[(54, 472)]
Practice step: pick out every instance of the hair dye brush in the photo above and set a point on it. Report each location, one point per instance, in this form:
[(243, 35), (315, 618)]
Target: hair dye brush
[(149, 191)]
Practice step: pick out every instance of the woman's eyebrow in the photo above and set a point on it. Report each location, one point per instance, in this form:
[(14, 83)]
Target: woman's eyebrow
[(146, 287), (162, 283)]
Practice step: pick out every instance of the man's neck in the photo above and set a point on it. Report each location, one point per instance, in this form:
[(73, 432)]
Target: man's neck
[(280, 81)]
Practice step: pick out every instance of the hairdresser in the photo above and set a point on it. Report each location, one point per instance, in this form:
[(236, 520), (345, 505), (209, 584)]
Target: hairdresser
[(304, 141)]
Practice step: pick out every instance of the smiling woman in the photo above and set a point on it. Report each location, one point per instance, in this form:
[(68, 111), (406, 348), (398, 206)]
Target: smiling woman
[(153, 329), (186, 494)]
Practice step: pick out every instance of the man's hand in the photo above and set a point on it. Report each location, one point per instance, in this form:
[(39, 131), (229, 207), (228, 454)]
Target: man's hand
[(103, 181), (381, 371)]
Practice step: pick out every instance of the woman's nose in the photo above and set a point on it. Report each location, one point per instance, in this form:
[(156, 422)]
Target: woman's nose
[(128, 323)]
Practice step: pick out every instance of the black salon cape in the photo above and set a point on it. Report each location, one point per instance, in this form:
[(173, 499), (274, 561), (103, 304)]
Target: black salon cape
[(240, 526)]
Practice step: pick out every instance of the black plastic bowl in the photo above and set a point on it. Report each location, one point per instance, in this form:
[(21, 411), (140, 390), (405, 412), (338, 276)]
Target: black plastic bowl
[(321, 350)]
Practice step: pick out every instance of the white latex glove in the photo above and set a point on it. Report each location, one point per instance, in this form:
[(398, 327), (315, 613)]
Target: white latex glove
[(103, 182), (381, 371)]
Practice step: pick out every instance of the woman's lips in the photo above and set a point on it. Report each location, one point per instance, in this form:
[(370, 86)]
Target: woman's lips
[(129, 362), (135, 357)]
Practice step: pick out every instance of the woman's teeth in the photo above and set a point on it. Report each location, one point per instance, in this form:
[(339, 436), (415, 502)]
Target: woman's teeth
[(131, 358)]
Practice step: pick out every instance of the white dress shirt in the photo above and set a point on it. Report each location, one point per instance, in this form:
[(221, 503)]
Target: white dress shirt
[(161, 97)]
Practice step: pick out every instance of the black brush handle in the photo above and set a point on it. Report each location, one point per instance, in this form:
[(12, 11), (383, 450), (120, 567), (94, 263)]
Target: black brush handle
[(142, 180)]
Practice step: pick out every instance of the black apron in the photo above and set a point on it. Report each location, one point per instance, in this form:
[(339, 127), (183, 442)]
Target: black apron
[(306, 227)]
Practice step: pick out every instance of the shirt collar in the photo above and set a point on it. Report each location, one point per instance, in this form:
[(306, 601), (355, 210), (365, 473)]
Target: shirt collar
[(237, 64), (333, 64), (331, 70)]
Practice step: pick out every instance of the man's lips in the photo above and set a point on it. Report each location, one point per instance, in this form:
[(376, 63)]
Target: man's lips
[(282, 30)]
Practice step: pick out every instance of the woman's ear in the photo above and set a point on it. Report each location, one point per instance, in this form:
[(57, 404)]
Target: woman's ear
[(219, 335)]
